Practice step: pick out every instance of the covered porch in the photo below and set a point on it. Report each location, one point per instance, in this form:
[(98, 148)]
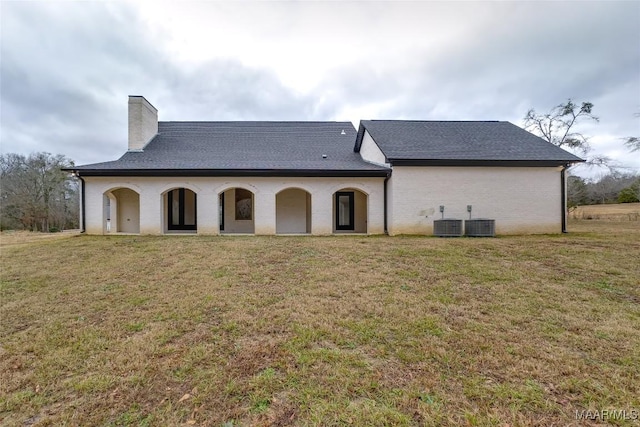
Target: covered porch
[(247, 206)]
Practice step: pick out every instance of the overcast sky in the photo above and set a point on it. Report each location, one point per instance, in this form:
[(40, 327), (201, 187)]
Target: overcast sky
[(66, 68)]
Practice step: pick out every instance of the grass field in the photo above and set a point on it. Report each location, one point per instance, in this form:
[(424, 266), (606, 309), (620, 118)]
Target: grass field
[(614, 212), (226, 331)]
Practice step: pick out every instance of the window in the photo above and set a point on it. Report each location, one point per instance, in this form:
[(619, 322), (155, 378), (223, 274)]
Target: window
[(344, 210), (244, 204), (181, 208), (221, 211)]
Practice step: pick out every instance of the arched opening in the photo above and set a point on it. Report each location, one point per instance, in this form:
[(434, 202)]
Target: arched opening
[(350, 211), (121, 211), (236, 211), (293, 211), (180, 211)]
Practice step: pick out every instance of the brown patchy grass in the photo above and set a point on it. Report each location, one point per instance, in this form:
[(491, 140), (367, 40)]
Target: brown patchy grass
[(9, 238), (614, 212), (210, 331)]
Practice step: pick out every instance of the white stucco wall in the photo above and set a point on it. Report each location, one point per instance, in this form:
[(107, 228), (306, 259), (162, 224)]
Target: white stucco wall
[(370, 151), (151, 190), (127, 218), (292, 206), (521, 200), (360, 213)]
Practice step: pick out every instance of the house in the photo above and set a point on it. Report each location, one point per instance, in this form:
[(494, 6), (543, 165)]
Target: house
[(323, 177)]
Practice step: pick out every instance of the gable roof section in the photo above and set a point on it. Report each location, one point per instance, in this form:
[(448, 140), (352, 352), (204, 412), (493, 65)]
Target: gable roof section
[(461, 143), (244, 149)]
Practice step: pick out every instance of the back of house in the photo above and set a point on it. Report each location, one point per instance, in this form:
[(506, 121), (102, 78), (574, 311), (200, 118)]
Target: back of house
[(320, 178)]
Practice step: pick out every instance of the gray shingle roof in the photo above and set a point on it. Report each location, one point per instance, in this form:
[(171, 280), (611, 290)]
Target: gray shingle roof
[(405, 140), (246, 146)]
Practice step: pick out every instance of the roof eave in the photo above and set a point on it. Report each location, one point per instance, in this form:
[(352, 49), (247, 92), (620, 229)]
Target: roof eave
[(478, 162), (233, 172)]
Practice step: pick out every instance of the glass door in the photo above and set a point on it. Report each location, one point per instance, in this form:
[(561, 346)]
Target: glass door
[(344, 210), (181, 209)]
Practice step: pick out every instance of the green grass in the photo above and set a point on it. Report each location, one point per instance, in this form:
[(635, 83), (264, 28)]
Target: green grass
[(146, 331)]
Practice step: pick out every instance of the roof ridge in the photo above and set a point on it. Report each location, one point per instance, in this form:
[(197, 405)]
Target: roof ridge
[(255, 121), (436, 121)]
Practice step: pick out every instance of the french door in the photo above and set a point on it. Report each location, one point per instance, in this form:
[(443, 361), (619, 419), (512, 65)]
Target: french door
[(344, 210), (182, 208)]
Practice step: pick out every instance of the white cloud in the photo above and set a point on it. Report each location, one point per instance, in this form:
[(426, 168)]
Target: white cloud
[(67, 67)]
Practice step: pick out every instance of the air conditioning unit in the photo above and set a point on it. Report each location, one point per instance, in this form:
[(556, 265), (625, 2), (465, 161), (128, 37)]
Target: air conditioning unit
[(480, 227), (447, 227)]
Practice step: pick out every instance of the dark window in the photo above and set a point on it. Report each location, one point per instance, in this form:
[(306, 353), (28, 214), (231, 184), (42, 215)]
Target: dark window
[(182, 208), (344, 210), (221, 211)]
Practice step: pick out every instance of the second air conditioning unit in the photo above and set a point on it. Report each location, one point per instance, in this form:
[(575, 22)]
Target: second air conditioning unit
[(447, 227), (480, 227)]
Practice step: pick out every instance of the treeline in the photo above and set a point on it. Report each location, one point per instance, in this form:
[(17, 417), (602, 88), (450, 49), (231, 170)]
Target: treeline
[(614, 187), (36, 195)]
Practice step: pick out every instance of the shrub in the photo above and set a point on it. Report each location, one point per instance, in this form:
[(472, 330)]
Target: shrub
[(628, 195)]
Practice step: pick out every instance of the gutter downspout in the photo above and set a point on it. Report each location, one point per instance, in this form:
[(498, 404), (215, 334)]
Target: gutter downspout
[(82, 207), (386, 231), (563, 192)]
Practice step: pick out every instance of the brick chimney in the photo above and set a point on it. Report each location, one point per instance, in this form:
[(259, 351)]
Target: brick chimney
[(143, 122)]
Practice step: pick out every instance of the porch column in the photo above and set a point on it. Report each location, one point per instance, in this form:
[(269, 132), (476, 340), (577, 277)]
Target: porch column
[(208, 221), (265, 212), (94, 208), (150, 212), (321, 213)]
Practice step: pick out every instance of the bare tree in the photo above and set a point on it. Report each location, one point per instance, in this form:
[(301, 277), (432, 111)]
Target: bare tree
[(577, 191), (633, 143), (558, 127), (35, 193), (606, 188)]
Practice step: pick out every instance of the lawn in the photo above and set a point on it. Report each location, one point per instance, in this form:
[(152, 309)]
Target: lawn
[(212, 331), (616, 212)]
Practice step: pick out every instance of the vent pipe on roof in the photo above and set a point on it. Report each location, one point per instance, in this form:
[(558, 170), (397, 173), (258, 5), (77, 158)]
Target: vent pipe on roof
[(143, 122)]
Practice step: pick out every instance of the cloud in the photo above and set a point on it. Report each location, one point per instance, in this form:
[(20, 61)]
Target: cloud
[(65, 86), (228, 90), (63, 73), (522, 56), (66, 71), (508, 60)]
